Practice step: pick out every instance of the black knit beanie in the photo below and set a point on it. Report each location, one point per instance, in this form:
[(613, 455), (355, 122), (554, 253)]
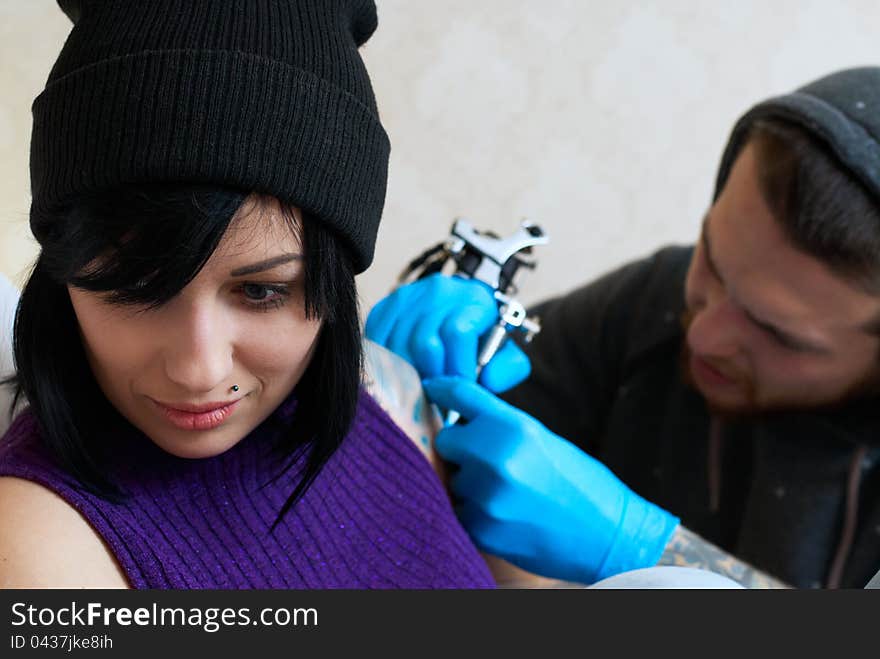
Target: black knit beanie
[(842, 110), (265, 95)]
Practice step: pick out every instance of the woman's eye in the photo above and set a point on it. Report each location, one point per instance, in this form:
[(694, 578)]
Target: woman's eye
[(265, 296), (256, 291)]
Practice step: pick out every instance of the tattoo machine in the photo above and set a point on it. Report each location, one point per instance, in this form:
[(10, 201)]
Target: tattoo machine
[(493, 260)]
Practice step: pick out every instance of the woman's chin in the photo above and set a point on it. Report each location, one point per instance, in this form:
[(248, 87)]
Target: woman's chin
[(194, 444), (202, 447)]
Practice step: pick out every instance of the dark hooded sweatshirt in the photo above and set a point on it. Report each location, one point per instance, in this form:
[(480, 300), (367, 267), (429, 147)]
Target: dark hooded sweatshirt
[(796, 494)]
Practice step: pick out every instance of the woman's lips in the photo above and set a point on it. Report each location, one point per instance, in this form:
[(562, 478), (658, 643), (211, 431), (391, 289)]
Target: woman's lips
[(203, 417)]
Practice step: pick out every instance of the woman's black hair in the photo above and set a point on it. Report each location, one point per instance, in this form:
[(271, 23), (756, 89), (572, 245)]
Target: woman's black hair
[(142, 245)]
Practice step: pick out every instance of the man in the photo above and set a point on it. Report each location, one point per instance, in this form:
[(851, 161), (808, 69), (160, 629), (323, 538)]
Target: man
[(734, 386)]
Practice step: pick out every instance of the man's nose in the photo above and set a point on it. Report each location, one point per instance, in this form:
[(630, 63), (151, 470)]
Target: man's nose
[(714, 330), (199, 348)]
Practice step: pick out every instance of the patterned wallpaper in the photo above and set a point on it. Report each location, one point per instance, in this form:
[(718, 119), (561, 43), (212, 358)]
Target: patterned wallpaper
[(602, 121)]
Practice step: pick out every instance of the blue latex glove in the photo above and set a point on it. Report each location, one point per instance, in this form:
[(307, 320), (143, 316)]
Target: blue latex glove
[(436, 323), (534, 499)]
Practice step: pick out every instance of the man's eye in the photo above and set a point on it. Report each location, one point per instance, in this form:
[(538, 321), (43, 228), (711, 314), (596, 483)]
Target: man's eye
[(785, 342)]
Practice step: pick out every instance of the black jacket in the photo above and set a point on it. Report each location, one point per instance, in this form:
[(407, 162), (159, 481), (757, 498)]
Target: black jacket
[(771, 490)]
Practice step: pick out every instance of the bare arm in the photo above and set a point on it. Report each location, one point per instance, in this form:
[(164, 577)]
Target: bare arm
[(46, 543), (396, 386), (687, 549)]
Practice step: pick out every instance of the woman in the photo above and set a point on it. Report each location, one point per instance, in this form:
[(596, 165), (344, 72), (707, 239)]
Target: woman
[(207, 180)]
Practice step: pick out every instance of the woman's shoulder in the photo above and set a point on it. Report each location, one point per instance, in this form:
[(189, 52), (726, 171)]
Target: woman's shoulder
[(46, 543), (395, 385)]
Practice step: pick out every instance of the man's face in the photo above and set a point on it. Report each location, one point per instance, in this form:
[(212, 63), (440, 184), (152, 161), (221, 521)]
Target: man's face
[(769, 326)]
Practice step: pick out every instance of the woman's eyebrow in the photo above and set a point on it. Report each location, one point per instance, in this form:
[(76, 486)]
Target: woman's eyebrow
[(268, 264)]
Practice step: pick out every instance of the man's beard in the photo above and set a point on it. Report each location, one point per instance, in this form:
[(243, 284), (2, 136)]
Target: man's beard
[(748, 408), (751, 407)]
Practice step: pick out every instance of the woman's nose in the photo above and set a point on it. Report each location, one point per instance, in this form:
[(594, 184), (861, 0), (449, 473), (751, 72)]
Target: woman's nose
[(199, 348)]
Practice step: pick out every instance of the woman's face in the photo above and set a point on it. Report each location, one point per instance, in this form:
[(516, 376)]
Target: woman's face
[(241, 321)]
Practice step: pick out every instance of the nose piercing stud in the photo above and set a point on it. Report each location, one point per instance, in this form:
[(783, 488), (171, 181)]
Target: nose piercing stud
[(235, 387)]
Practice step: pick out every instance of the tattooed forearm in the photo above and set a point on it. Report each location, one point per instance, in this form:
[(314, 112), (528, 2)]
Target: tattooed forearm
[(687, 549)]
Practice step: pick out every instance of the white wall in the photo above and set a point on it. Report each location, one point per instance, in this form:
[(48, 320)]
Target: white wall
[(602, 121)]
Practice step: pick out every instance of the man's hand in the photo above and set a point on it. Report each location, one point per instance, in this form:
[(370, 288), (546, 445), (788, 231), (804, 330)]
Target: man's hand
[(535, 499), (436, 323)]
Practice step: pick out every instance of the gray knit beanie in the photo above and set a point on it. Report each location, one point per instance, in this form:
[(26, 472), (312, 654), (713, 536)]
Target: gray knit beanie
[(842, 110)]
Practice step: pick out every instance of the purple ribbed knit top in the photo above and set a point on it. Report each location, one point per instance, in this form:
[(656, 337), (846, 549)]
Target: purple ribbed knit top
[(377, 516)]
